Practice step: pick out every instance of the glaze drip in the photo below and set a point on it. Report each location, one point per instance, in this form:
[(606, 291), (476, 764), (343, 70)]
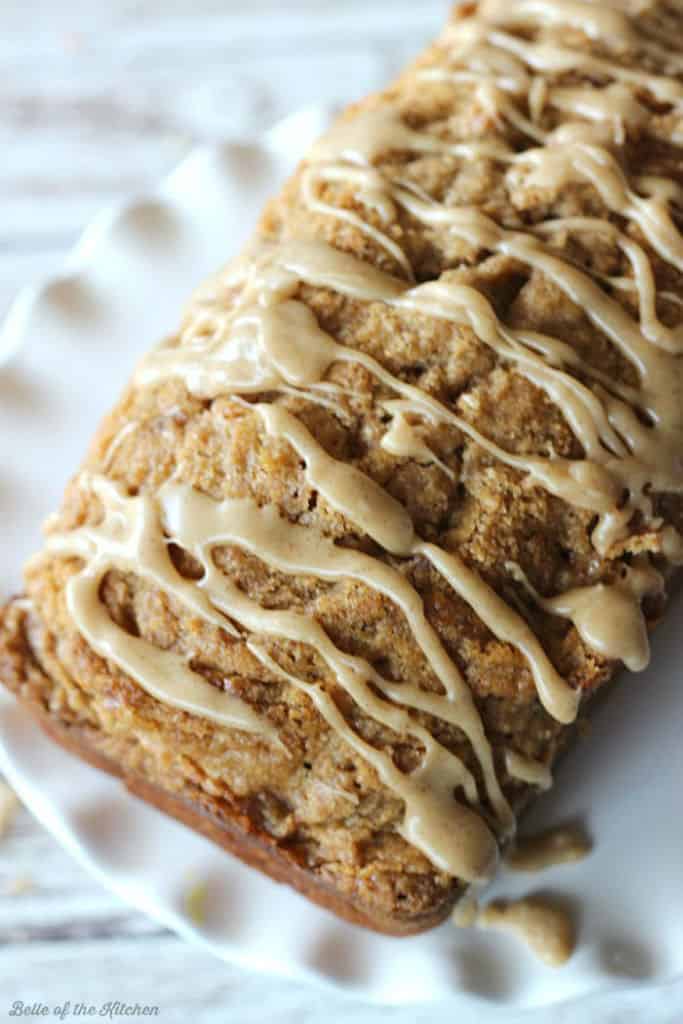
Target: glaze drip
[(564, 844)]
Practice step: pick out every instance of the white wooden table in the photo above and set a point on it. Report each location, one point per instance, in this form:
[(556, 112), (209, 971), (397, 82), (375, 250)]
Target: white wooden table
[(97, 101)]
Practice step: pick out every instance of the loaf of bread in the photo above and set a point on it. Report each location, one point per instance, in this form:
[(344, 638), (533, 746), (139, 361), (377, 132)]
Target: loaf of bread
[(344, 567)]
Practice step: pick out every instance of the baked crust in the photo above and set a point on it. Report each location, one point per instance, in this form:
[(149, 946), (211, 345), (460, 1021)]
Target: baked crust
[(236, 833), (316, 814)]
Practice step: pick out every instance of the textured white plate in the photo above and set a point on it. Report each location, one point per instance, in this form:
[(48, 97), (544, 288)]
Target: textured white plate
[(67, 348)]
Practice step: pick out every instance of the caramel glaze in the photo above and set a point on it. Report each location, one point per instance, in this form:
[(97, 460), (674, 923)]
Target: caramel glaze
[(562, 845), (547, 929), (271, 343)]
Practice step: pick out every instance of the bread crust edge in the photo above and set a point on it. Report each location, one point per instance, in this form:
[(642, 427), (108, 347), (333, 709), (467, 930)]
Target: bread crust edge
[(238, 837)]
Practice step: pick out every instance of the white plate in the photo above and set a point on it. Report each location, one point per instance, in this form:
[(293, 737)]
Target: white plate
[(69, 345)]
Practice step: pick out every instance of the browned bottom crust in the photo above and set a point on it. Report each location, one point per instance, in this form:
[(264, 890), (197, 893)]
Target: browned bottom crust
[(253, 847)]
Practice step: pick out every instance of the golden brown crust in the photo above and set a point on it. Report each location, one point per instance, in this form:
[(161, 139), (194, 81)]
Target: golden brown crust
[(239, 837), (238, 833), (322, 810)]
